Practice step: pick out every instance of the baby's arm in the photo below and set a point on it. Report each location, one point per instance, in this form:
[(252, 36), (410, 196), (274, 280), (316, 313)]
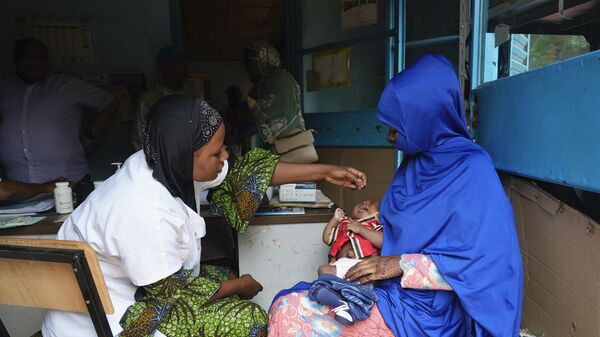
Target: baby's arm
[(374, 237), (338, 216), (327, 269)]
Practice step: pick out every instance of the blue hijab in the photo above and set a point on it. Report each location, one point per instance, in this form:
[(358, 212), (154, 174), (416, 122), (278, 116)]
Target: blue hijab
[(446, 201)]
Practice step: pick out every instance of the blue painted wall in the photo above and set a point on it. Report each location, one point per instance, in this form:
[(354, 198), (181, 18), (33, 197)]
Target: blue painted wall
[(348, 129), (545, 123)]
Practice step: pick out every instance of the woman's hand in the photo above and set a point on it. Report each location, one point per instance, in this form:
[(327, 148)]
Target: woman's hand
[(286, 173), (249, 287), (375, 268), (347, 177)]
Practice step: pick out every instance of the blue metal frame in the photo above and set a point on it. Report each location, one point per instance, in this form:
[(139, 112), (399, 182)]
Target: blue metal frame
[(400, 12), (349, 42), (479, 25), (400, 38), (478, 29), (293, 41), (431, 42), (541, 124), (544, 123), (176, 22), (348, 129)]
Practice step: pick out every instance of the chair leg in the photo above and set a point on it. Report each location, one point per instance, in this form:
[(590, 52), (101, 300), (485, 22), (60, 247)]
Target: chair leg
[(3, 331)]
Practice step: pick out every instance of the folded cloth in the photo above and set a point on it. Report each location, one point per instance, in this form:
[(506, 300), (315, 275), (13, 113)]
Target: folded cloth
[(359, 298)]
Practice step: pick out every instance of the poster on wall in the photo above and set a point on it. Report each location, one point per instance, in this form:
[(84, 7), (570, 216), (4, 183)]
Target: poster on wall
[(68, 39), (332, 67), (358, 13)]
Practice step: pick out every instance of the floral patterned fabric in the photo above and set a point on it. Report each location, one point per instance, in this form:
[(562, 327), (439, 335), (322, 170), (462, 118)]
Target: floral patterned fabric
[(176, 306), (420, 272), (295, 315), (239, 196), (524, 333)]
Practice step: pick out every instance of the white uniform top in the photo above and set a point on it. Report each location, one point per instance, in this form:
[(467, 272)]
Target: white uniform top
[(141, 234)]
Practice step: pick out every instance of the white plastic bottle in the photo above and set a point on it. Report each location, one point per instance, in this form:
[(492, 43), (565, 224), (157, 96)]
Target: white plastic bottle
[(63, 198)]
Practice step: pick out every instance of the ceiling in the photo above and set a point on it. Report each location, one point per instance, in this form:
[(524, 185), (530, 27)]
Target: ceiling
[(218, 30)]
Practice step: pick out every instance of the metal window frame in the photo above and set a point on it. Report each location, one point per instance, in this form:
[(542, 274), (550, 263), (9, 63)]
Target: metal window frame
[(511, 133), (366, 130)]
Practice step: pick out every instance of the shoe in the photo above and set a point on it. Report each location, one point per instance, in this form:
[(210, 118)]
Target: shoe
[(333, 300), (342, 314)]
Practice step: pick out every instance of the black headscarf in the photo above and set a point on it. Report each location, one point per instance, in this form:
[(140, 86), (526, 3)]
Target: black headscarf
[(176, 127)]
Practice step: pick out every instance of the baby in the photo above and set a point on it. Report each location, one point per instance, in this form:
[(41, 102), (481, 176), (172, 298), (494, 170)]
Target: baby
[(352, 239)]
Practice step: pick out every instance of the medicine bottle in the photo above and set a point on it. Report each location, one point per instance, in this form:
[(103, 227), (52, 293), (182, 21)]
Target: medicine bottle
[(63, 198)]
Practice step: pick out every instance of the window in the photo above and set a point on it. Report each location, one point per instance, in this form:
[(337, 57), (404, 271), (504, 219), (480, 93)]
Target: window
[(525, 35), (548, 49), (356, 37)]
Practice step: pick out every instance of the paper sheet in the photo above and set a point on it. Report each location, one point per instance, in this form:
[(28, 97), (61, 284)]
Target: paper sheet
[(8, 221), (357, 13), (35, 205)]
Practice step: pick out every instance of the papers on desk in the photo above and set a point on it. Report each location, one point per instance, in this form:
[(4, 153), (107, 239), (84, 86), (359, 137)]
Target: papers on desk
[(280, 211), (34, 205), (8, 221)]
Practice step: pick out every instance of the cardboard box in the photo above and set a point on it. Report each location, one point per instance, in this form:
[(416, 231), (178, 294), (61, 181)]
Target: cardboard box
[(561, 249)]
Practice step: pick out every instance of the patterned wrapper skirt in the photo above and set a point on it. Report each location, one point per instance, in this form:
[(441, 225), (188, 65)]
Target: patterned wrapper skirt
[(295, 315)]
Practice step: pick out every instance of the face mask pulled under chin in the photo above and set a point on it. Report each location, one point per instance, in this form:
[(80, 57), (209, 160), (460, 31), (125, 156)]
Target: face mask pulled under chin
[(200, 186)]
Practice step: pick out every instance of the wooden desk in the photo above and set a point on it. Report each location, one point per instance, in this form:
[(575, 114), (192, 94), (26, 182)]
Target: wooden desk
[(278, 251), (47, 227), (311, 215)]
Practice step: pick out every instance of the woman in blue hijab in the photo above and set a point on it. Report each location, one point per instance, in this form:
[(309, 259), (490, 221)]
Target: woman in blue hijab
[(447, 204)]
